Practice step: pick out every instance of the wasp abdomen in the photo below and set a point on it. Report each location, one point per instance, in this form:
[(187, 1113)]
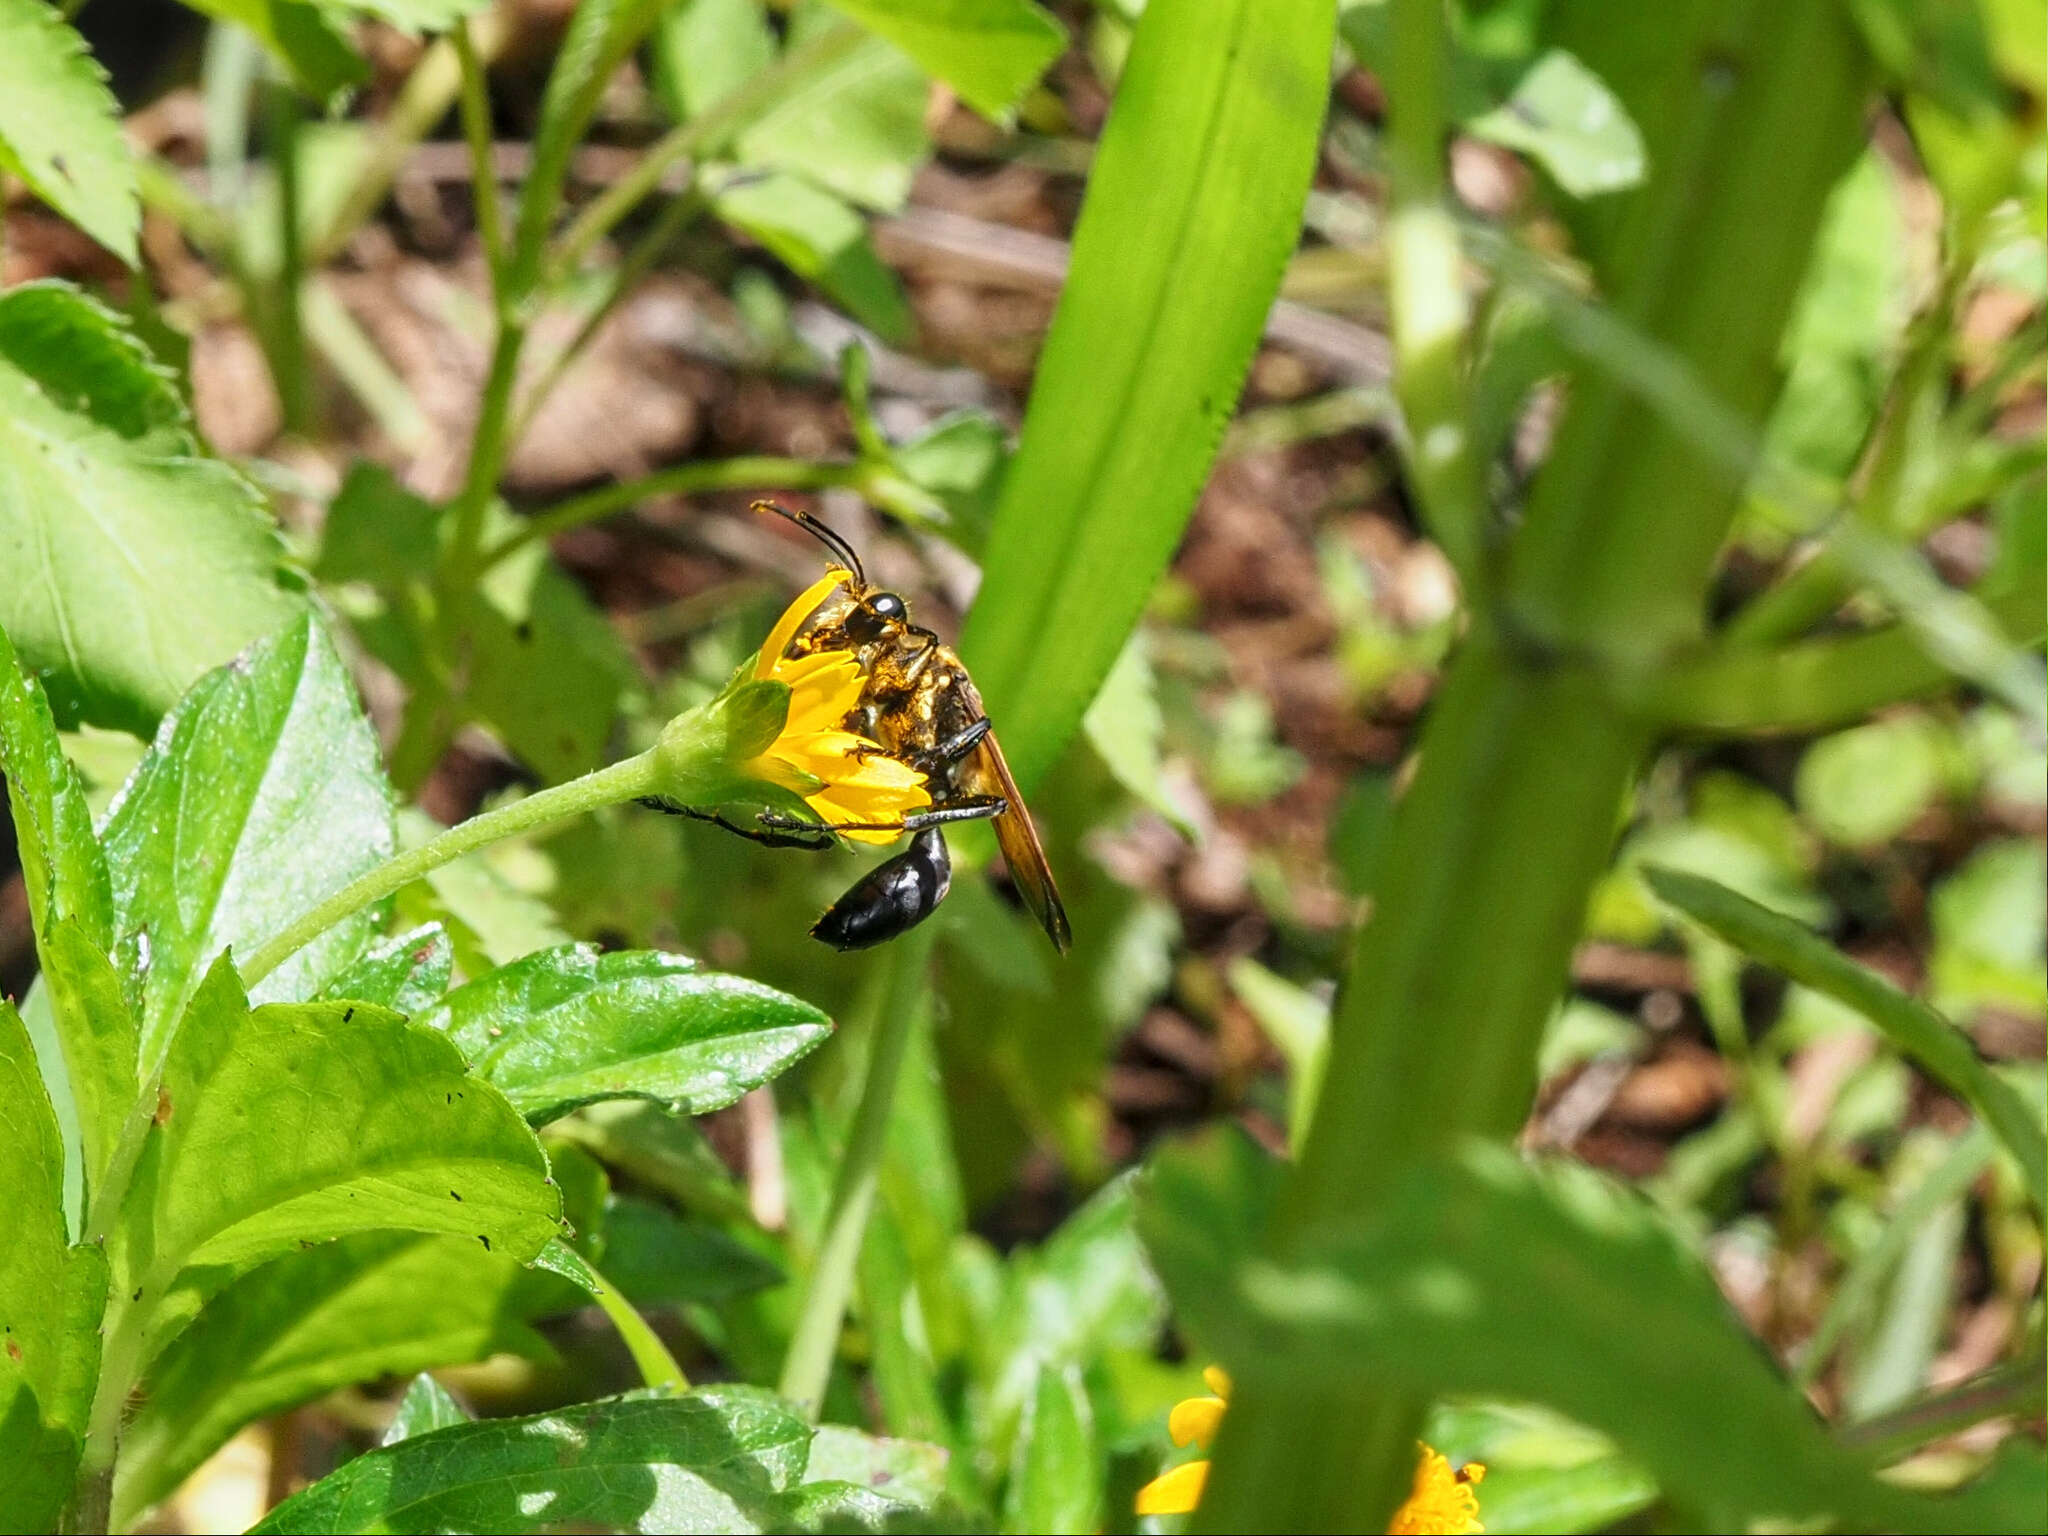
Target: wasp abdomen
[(892, 898)]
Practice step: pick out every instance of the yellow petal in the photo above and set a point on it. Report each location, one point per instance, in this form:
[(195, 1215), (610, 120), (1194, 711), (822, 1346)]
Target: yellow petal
[(823, 690), (1176, 1492), (1195, 1421), (1442, 1502), (792, 620), (1218, 1380)]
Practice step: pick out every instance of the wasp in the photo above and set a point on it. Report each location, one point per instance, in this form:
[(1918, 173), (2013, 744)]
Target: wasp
[(920, 707)]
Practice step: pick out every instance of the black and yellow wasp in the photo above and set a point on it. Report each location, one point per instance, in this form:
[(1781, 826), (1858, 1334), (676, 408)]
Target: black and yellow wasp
[(918, 705)]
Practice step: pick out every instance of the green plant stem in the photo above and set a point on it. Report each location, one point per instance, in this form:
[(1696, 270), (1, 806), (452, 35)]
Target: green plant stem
[(1481, 890), (2015, 1389), (476, 129), (658, 1368), (1426, 291), (703, 134), (746, 473), (629, 779), (905, 995), (290, 355)]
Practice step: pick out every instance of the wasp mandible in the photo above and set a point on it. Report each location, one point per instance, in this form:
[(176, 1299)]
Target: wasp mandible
[(917, 705)]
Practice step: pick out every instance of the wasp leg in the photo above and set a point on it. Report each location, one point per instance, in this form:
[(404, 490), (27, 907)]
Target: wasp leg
[(782, 832), (956, 746), (967, 808)]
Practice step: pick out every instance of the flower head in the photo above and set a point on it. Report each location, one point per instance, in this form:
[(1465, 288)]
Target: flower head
[(1442, 1500), (843, 776)]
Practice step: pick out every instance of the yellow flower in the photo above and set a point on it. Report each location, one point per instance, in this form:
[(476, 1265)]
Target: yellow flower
[(1442, 1500), (843, 776)]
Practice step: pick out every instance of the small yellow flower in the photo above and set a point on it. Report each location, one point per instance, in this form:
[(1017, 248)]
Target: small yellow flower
[(1442, 1500), (843, 776)]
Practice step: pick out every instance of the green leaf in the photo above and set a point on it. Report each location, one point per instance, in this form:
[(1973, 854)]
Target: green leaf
[(1561, 116), (854, 126), (710, 1461), (405, 973), (822, 240), (114, 523), (376, 1304), (661, 1259), (1126, 727), (1989, 920), (547, 670), (50, 1300), (1480, 1274), (1191, 212), (307, 39), (1929, 1039), (60, 127), (960, 459), (704, 50), (908, 1471), (263, 794), (426, 1406), (990, 51), (1055, 1466), (91, 1072), (570, 1026), (97, 1031), (1865, 786), (656, 1365), (296, 1123)]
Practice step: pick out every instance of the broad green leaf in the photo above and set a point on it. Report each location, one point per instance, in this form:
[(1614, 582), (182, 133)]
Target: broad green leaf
[(1851, 313), (822, 240), (1990, 917), (547, 670), (1865, 786), (990, 51), (908, 1471), (1589, 1496), (50, 1300), (855, 126), (661, 1259), (1191, 212), (113, 523), (308, 39), (1055, 1466), (426, 1406), (1087, 1289), (1938, 1046), (710, 1461), (60, 127), (262, 795), (570, 1026), (704, 50), (375, 1304), (296, 1123), (1126, 727), (960, 459), (405, 973), (1551, 1284), (1561, 116)]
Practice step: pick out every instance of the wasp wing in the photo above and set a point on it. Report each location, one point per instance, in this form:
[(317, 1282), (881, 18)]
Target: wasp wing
[(1017, 835)]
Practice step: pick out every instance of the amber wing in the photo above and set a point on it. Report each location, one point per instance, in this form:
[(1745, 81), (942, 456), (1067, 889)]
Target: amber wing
[(987, 773)]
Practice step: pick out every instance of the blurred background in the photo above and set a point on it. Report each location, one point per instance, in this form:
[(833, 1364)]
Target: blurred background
[(1213, 827)]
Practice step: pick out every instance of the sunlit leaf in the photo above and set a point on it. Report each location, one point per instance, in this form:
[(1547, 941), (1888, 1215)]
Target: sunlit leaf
[(115, 523), (1192, 209), (262, 795), (570, 1026), (710, 1461), (990, 51), (60, 128)]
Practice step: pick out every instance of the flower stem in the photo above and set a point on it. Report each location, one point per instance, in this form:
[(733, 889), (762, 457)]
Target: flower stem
[(808, 1366), (622, 781)]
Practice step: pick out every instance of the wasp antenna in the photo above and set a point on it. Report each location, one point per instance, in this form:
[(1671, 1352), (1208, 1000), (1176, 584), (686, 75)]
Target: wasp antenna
[(818, 531)]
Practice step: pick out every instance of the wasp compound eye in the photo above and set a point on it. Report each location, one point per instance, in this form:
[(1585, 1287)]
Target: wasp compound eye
[(887, 605), (890, 899)]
